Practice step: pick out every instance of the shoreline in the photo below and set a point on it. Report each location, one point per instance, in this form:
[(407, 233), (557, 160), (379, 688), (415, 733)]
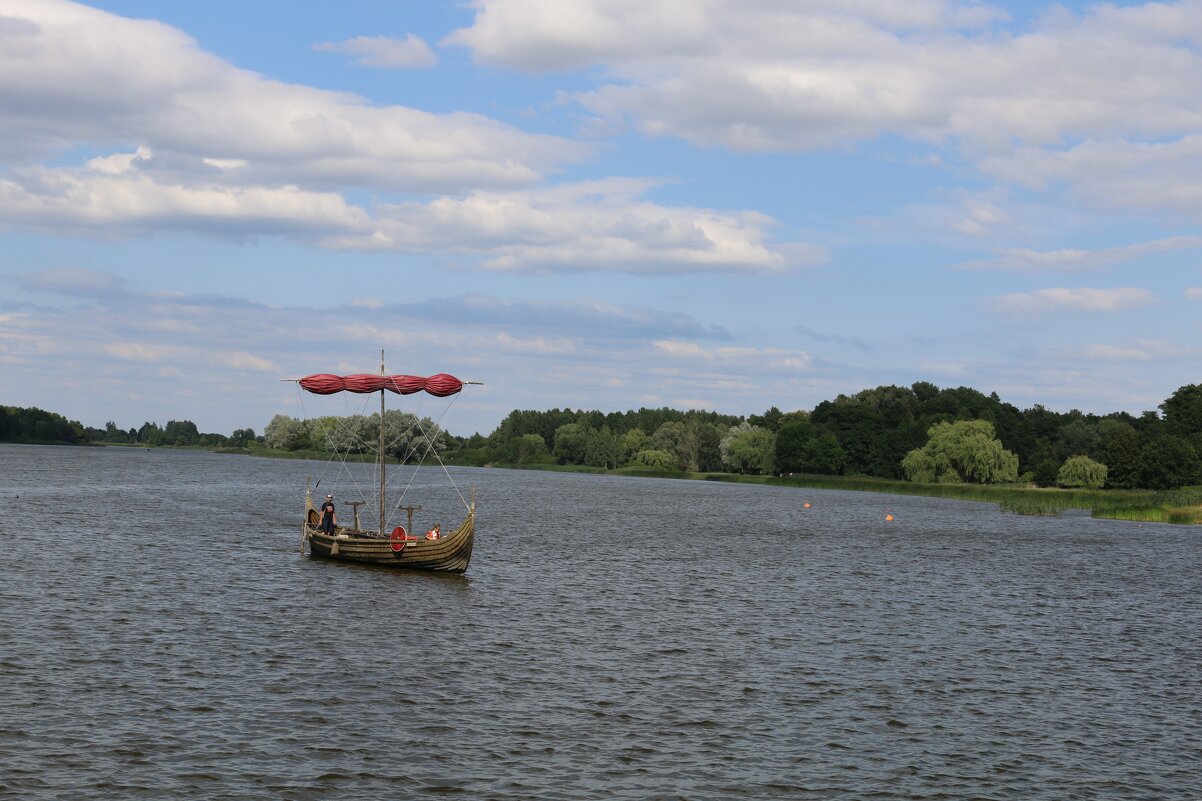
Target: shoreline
[(1182, 506)]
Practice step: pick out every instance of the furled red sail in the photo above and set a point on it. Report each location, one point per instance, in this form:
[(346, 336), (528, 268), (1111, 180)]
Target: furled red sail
[(322, 384), (440, 385), (443, 385), (406, 384)]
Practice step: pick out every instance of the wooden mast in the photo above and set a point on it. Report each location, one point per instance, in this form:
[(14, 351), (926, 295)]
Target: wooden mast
[(380, 453)]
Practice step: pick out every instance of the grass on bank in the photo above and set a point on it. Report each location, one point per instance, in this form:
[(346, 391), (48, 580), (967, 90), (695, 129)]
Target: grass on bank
[(1170, 506)]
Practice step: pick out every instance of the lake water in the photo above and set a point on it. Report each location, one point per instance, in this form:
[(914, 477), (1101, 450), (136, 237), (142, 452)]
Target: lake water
[(614, 638)]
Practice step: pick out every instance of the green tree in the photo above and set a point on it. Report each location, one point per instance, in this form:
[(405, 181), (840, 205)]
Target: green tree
[(407, 438), (602, 448), (351, 434), (1120, 453), (823, 454), (1078, 438), (527, 448), (791, 442), (527, 421), (1183, 411), (1046, 471), (1081, 471), (748, 449), (682, 440), (705, 438), (180, 432), (1168, 462), (1043, 422), (282, 433), (570, 445), (242, 437), (632, 442), (966, 450), (875, 427), (667, 437), (37, 425), (653, 460), (150, 434), (770, 419)]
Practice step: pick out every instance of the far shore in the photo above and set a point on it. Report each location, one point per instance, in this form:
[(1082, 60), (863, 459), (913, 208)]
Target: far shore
[(1182, 506)]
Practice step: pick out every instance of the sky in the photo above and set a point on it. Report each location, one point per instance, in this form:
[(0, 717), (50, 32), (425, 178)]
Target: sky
[(725, 205)]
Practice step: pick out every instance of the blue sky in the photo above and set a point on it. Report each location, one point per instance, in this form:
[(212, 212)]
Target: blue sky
[(718, 204)]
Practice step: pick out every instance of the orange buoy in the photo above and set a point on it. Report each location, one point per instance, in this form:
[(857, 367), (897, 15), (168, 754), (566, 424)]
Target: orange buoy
[(805, 505), (888, 517)]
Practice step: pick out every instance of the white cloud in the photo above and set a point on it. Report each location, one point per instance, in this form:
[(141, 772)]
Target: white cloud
[(546, 35), (1114, 173), (682, 350), (143, 352), (71, 281), (540, 345), (73, 75), (25, 339), (219, 150), (771, 76), (384, 51), (602, 225), (1139, 350), (1082, 299), (949, 369), (116, 197), (738, 359), (1072, 259), (1194, 293), (584, 317), (980, 217), (1104, 101), (598, 226)]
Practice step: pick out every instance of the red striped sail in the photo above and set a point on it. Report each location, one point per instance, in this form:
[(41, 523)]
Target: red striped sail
[(440, 385)]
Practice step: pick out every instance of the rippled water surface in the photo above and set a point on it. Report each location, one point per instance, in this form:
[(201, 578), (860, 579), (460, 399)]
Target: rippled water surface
[(615, 638)]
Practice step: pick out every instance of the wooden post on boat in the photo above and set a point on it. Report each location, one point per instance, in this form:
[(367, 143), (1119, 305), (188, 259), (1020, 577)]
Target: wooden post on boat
[(355, 509), (411, 510)]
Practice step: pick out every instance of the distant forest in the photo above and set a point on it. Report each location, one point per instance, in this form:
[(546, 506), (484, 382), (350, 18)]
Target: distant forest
[(35, 426), (921, 433)]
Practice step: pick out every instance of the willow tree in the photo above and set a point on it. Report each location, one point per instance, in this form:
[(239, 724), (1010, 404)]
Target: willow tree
[(1081, 471), (964, 451)]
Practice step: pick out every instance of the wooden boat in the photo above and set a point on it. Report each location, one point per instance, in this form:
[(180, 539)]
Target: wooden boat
[(450, 552), (397, 547)]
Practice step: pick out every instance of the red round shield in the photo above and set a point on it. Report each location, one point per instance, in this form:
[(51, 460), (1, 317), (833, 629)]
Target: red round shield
[(398, 539)]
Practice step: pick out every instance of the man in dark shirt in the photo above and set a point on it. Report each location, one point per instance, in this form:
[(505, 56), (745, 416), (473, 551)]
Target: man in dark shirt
[(328, 518)]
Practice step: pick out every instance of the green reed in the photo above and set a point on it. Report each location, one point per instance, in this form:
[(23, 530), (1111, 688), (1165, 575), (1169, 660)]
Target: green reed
[(1172, 506)]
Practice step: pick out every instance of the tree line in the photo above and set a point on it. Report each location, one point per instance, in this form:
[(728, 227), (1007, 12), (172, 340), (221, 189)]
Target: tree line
[(403, 433), (34, 425), (921, 433)]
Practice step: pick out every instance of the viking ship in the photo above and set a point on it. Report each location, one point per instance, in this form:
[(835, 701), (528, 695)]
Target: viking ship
[(397, 547)]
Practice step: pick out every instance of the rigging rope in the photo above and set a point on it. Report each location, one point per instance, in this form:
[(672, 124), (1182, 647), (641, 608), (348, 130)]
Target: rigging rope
[(354, 440)]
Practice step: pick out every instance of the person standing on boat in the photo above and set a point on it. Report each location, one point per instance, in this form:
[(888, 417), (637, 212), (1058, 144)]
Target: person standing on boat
[(328, 518), (435, 532)]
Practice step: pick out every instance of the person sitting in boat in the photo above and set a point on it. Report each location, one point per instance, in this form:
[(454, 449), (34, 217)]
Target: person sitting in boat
[(328, 518), (435, 532)]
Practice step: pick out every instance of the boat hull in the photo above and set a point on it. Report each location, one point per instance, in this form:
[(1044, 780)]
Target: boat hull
[(448, 554)]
